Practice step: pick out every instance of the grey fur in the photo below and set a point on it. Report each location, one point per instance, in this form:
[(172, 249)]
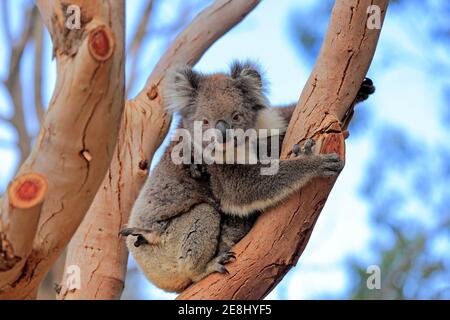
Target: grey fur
[(187, 217)]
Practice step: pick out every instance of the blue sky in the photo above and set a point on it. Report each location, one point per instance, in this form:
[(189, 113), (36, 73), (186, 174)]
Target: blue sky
[(406, 90)]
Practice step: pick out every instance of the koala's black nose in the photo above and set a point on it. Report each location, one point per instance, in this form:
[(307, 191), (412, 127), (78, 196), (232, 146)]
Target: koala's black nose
[(223, 126)]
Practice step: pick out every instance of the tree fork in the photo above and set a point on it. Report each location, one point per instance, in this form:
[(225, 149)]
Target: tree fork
[(96, 247), (279, 236), (38, 215)]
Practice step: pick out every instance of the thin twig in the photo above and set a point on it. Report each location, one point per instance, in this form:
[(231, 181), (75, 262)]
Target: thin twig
[(5, 18), (136, 45), (14, 86), (38, 45)]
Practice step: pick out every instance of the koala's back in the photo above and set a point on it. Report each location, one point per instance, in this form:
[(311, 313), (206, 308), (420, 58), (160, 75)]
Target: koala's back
[(187, 245), (172, 191)]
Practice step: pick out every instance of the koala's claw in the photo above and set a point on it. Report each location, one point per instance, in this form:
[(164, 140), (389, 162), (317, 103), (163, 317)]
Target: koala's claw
[(227, 257), (307, 148), (140, 241), (196, 171), (220, 268), (144, 236), (367, 88), (296, 150), (129, 231), (309, 144), (223, 259)]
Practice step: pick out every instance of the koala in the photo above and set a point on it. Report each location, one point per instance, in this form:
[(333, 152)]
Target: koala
[(187, 217)]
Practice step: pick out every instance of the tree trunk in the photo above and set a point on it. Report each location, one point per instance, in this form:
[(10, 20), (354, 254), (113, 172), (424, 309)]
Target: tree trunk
[(279, 236), (57, 183), (96, 248)]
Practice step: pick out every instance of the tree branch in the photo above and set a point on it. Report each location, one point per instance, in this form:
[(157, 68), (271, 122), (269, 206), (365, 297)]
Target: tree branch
[(6, 24), (38, 79), (136, 45), (96, 247), (74, 147), (279, 237), (14, 87)]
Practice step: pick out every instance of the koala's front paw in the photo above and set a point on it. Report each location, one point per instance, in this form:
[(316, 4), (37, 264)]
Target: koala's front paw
[(144, 236), (330, 164), (307, 148), (367, 88)]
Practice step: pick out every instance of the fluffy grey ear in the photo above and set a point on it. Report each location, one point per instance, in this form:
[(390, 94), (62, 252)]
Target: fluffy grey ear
[(247, 72), (180, 89), (249, 79)]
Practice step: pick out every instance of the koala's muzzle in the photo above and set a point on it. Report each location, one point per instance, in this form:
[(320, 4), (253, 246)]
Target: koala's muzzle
[(223, 126)]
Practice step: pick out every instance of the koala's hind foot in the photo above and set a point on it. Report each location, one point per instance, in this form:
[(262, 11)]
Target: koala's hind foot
[(144, 236), (367, 88), (217, 265)]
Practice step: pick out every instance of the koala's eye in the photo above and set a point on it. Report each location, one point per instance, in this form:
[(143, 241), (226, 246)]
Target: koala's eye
[(205, 122), (236, 117)]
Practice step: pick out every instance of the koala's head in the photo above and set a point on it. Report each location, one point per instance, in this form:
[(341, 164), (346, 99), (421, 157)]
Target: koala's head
[(222, 101)]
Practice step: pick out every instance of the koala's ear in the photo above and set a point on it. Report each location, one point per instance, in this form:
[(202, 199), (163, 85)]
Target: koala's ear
[(248, 78), (180, 88), (248, 73)]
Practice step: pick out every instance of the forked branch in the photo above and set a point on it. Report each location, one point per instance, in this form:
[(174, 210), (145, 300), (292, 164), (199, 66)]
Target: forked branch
[(55, 186), (279, 237), (96, 247)]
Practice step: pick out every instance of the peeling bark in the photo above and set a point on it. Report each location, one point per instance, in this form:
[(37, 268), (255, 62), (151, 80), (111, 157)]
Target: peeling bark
[(96, 247), (279, 236), (83, 118)]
